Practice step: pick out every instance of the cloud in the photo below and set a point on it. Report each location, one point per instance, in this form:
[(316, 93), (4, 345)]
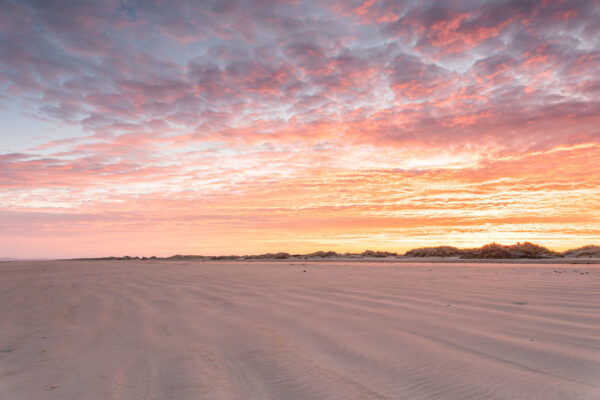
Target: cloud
[(346, 114)]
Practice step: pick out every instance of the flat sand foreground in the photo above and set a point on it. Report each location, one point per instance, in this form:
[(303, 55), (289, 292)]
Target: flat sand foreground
[(298, 330)]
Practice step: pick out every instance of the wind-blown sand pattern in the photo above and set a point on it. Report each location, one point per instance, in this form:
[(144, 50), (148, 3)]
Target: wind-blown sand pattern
[(259, 330)]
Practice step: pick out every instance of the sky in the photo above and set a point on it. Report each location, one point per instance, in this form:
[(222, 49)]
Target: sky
[(244, 127)]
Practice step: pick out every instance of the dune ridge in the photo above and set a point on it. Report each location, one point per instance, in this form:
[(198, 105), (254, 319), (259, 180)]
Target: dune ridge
[(490, 251)]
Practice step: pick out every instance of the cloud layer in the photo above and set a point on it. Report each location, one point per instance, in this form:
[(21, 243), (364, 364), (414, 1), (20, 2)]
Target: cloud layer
[(229, 126)]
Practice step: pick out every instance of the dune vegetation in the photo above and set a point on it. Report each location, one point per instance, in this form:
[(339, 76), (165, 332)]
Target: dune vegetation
[(519, 250), (525, 250), (585, 251), (439, 251)]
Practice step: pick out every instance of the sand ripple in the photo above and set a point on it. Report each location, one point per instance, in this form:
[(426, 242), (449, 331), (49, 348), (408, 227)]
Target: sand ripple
[(256, 330)]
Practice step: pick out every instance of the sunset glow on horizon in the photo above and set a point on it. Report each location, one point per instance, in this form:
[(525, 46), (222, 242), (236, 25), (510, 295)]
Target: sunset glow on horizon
[(245, 127)]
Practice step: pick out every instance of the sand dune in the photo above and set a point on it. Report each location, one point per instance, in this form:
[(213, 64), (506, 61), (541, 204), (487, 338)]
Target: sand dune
[(259, 330)]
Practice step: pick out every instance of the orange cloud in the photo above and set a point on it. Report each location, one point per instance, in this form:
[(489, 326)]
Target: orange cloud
[(284, 125)]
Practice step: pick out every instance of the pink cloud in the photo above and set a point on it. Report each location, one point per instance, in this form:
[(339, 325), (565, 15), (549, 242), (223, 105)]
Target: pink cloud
[(362, 117)]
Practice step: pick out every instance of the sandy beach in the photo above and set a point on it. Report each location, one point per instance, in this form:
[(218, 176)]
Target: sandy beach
[(298, 330)]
